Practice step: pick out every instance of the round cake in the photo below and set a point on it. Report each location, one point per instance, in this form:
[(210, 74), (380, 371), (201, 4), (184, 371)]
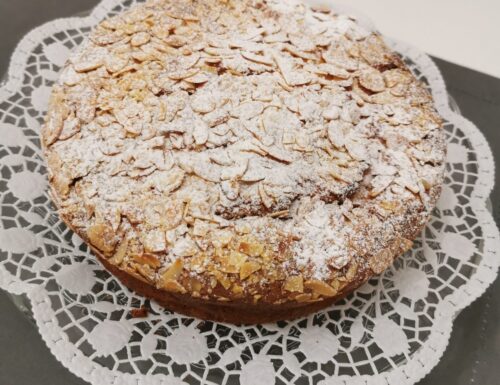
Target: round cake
[(242, 161)]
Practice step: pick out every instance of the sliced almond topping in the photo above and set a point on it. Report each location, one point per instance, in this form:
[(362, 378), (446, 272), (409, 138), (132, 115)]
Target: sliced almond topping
[(378, 263), (356, 149), (202, 103), (248, 268), (234, 172), (53, 126), (120, 253), (199, 78), (144, 271), (232, 263), (174, 271), (331, 113), (221, 238), (176, 41), (87, 64), (251, 247), (293, 77), (248, 110), (265, 198), (173, 286), (351, 272), (103, 237), (166, 181), (379, 184), (183, 74), (200, 228), (372, 80), (320, 287), (297, 52), (257, 58), (305, 297), (230, 189), (294, 284), (200, 132), (154, 241), (148, 259), (140, 38), (115, 63), (277, 153), (332, 70), (185, 247)]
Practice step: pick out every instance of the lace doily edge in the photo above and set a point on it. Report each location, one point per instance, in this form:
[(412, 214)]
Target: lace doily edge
[(421, 362)]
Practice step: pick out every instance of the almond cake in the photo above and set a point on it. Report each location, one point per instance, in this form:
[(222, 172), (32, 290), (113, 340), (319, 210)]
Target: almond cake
[(242, 161)]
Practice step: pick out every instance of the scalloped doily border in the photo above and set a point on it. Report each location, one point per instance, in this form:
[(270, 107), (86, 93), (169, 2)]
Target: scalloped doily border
[(421, 362)]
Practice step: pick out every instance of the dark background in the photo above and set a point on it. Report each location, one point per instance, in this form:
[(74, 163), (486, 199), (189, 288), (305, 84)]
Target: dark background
[(473, 355)]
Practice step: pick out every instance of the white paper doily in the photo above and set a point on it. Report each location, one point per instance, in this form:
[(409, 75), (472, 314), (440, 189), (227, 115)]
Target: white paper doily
[(393, 330)]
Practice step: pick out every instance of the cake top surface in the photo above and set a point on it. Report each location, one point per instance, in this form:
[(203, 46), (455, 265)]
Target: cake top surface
[(199, 144)]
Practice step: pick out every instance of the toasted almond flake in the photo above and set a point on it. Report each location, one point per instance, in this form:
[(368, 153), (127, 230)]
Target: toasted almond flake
[(173, 286), (103, 237), (277, 153), (266, 200), (248, 268), (70, 77), (356, 149), (297, 52), (248, 110), (233, 261), (88, 64), (253, 174), (150, 260), (200, 132), (200, 228), (257, 58), (380, 183), (333, 70), (154, 241), (294, 284), (120, 253), (372, 80), (381, 261), (332, 113), (202, 103), (185, 247), (183, 74), (174, 271), (305, 297), (181, 14), (53, 126), (221, 238), (115, 63), (251, 247), (212, 60), (144, 271), (340, 60), (199, 78), (277, 214), (176, 41), (125, 69), (320, 287), (230, 189), (140, 38), (166, 181)]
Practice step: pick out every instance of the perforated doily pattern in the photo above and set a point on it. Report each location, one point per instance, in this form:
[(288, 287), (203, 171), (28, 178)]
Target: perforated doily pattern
[(392, 330)]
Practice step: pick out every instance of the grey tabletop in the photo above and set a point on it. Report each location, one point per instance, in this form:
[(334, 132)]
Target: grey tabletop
[(473, 353)]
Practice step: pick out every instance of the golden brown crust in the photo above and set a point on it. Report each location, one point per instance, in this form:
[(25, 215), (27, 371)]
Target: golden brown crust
[(244, 155)]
